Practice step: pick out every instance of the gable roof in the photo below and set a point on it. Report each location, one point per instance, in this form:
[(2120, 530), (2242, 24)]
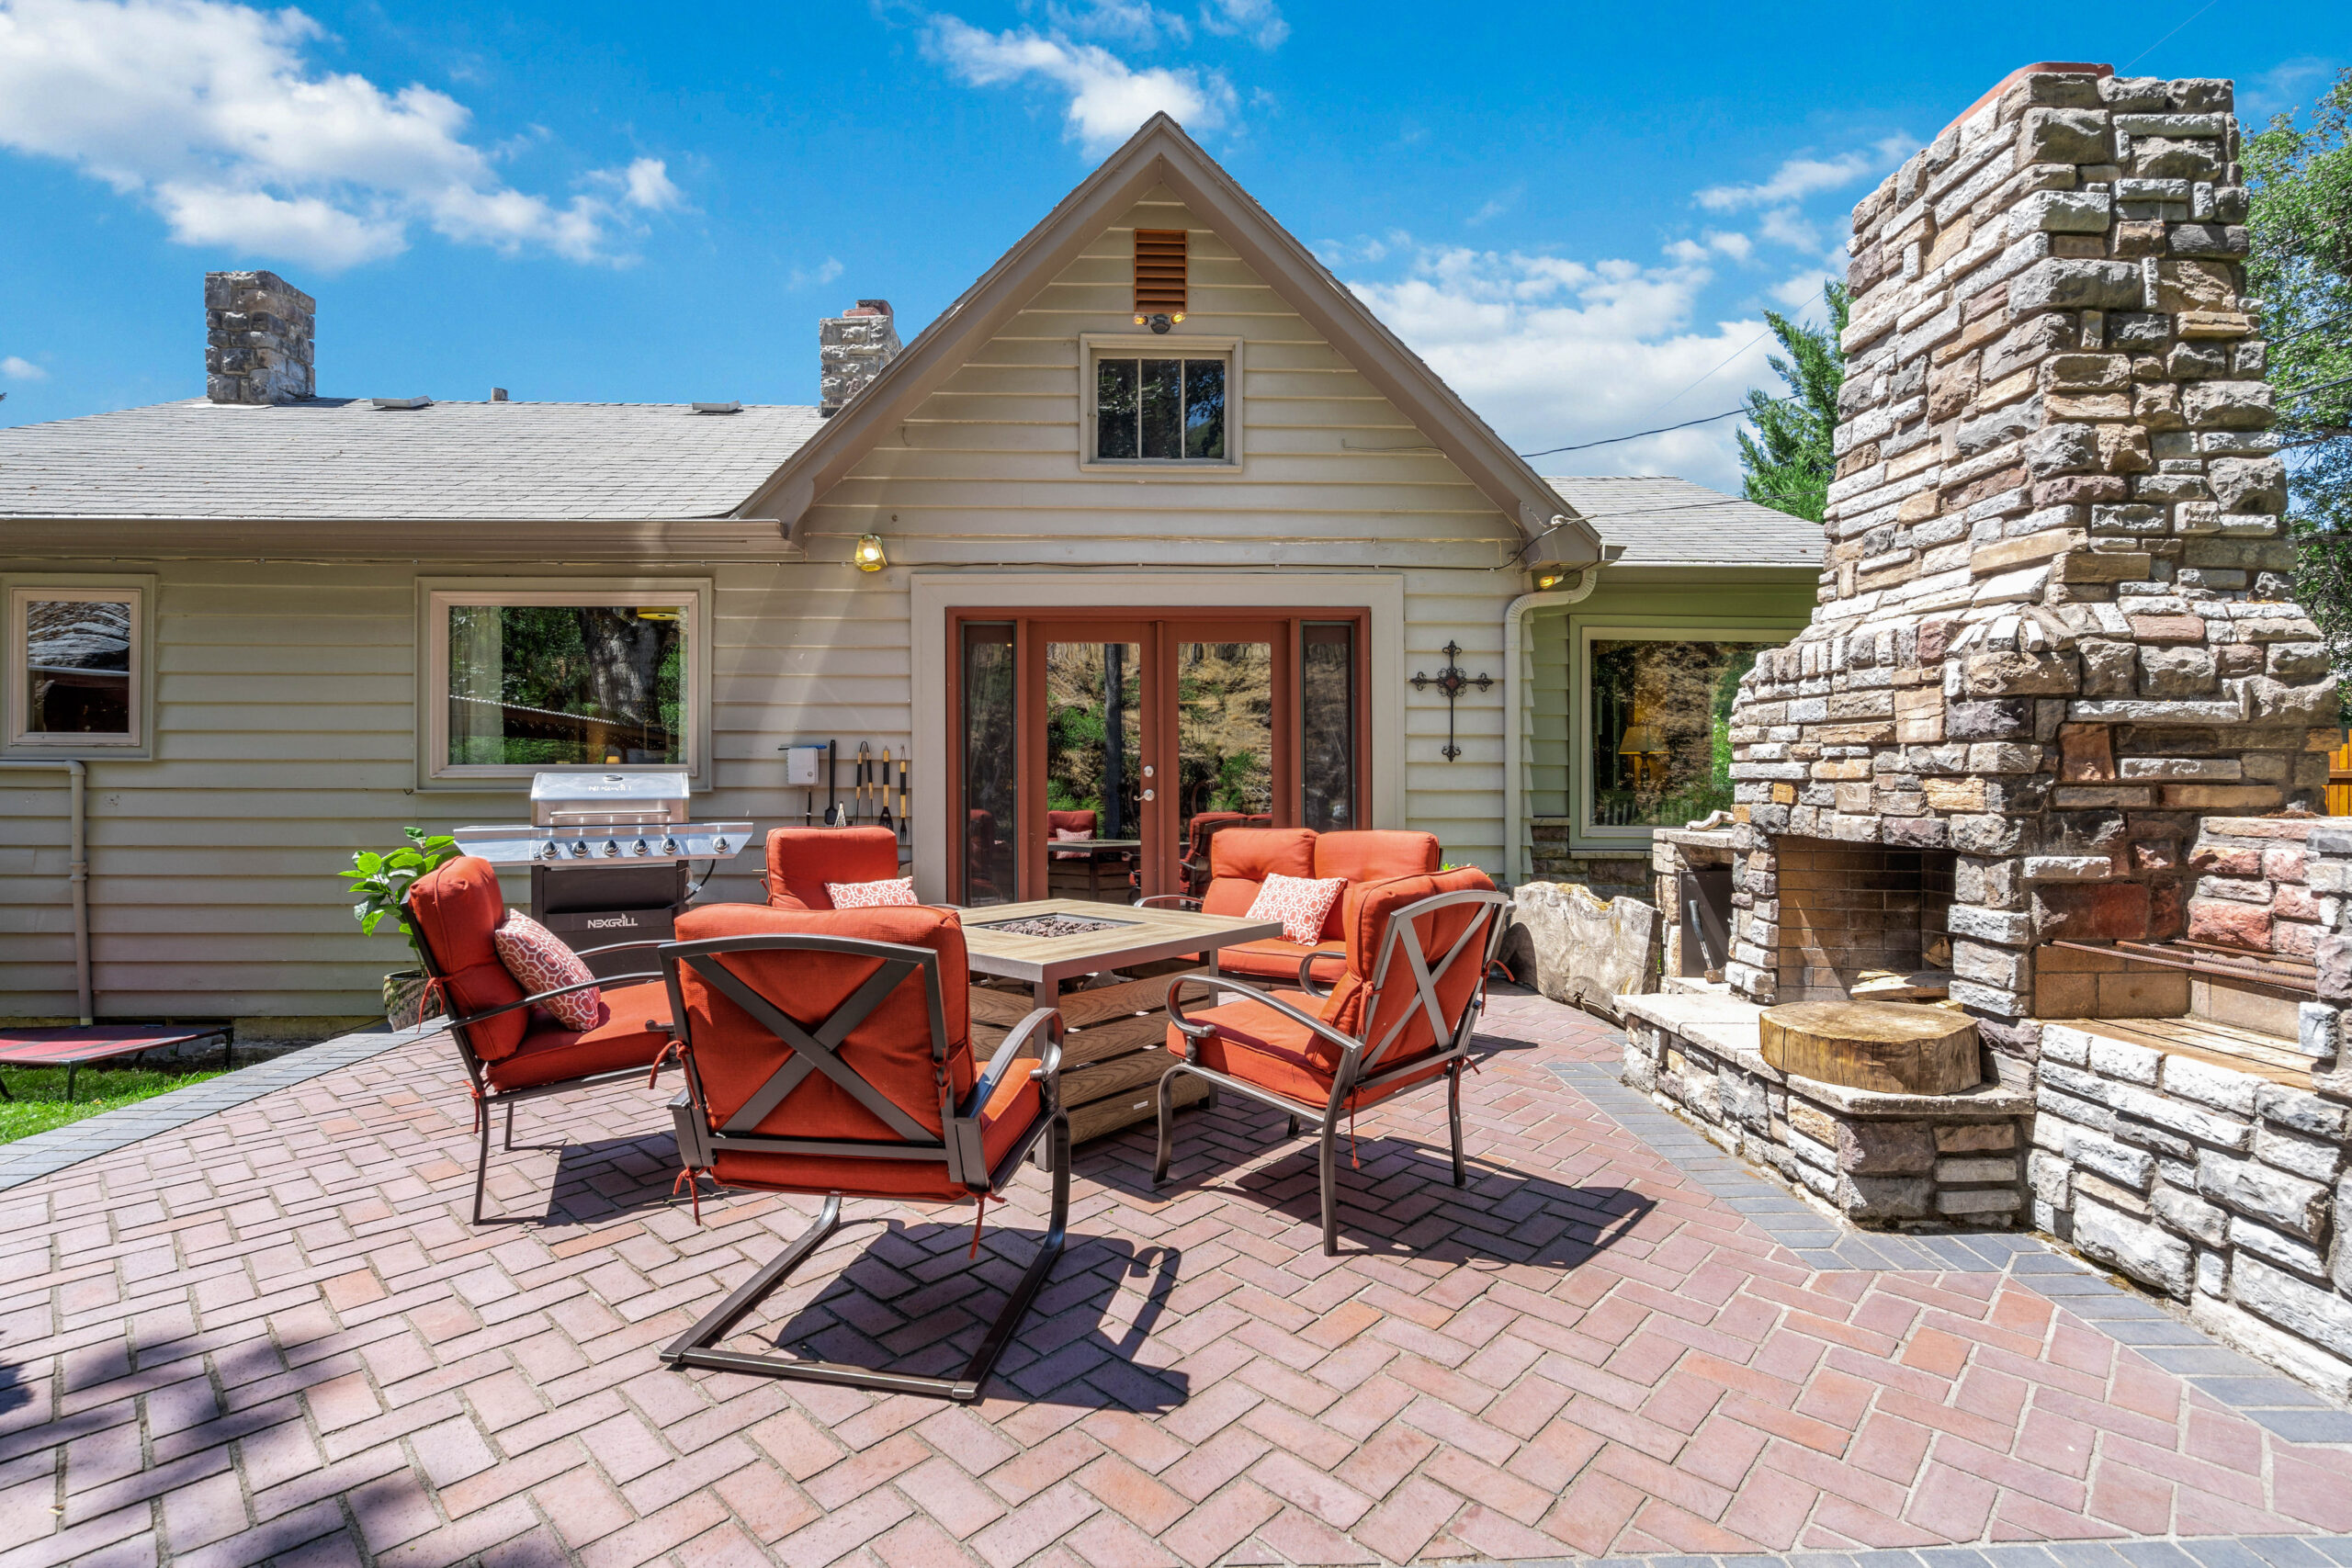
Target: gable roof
[(1669, 522), (1160, 154), (344, 459)]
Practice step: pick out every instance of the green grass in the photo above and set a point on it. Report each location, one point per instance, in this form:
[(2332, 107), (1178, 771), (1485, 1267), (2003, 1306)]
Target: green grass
[(40, 1103)]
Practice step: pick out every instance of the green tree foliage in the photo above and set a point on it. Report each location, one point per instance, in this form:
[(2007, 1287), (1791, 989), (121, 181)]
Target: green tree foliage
[(2301, 272), (1788, 458)]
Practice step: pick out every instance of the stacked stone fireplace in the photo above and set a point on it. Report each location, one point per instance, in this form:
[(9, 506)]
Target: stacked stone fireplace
[(2054, 743), (2055, 627)]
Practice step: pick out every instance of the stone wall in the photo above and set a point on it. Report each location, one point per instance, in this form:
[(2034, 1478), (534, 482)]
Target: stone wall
[(259, 339), (2054, 623)]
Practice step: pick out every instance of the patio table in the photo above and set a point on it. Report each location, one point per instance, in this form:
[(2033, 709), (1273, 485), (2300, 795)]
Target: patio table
[(1095, 853), (71, 1047), (1117, 1025)]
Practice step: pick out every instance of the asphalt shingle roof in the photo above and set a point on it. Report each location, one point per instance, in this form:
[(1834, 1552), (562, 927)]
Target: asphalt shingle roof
[(1668, 521), (344, 458)]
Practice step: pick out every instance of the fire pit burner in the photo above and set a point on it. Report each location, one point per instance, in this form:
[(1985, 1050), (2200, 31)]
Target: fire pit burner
[(1052, 925)]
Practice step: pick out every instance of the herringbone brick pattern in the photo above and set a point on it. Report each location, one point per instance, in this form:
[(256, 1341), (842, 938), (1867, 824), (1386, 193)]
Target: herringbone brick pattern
[(271, 1334)]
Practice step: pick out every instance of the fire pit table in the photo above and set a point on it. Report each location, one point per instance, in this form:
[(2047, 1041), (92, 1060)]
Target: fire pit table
[(1107, 967)]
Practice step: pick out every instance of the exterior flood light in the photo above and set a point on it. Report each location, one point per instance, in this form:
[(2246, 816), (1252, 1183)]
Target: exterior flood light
[(868, 555), (1159, 321)]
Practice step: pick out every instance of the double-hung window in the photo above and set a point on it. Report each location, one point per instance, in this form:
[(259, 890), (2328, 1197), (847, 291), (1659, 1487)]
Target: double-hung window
[(76, 666), (587, 675)]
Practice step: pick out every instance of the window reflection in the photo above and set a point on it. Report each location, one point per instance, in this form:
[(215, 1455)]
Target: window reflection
[(1326, 725), (991, 809), (1661, 729), (1159, 409), (77, 667)]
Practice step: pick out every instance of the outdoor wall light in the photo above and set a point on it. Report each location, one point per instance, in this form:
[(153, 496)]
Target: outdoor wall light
[(1160, 320), (868, 555)]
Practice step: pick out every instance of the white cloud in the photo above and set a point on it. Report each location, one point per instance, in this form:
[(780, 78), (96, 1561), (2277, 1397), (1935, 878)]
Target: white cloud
[(1501, 203), (1786, 226), (17, 370), (1135, 22), (1108, 98), (1554, 352), (816, 277), (1802, 290), (1799, 177), (211, 112), (1258, 20)]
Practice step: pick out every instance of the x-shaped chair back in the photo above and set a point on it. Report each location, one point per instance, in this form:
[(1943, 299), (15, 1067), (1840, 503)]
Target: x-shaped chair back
[(1476, 944), (816, 1050)]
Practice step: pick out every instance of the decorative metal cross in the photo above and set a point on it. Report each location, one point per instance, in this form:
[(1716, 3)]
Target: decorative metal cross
[(1452, 681)]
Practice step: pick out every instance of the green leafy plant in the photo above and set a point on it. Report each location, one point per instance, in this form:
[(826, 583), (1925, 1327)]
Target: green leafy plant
[(380, 881)]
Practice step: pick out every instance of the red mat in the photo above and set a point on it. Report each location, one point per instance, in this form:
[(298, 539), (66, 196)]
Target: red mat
[(90, 1043)]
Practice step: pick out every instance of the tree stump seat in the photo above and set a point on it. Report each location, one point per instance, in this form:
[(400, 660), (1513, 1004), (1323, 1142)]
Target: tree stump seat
[(1893, 1047)]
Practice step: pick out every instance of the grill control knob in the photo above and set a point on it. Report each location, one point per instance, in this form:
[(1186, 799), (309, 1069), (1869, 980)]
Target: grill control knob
[(719, 845), (612, 848), (640, 848), (579, 849), (669, 846), (551, 850)]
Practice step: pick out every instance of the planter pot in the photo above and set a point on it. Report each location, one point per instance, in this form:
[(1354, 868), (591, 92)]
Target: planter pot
[(404, 999)]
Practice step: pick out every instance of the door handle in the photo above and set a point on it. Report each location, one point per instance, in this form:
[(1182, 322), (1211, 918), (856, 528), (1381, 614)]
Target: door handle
[(1148, 795)]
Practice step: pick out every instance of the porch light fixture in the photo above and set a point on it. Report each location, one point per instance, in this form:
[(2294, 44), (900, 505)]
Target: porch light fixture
[(868, 555), (1159, 321)]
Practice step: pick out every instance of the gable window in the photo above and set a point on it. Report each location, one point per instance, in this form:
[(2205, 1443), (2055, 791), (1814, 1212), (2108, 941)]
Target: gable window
[(1162, 400), (75, 666), (526, 679)]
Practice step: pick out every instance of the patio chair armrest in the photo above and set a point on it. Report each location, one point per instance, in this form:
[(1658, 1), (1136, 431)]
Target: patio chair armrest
[(1307, 973), (506, 1007), (1049, 1060), (1168, 901), (1195, 1032), (620, 946)]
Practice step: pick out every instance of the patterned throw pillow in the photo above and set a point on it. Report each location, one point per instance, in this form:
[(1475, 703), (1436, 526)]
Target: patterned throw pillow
[(1300, 903), (871, 895), (541, 961)]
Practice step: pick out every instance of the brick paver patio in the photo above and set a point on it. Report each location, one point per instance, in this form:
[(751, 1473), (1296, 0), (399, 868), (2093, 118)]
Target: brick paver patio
[(269, 1332)]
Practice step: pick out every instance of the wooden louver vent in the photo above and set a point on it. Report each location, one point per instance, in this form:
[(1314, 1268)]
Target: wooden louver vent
[(1159, 274)]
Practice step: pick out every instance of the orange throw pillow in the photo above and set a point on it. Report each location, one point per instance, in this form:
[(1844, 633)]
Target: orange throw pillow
[(871, 895)]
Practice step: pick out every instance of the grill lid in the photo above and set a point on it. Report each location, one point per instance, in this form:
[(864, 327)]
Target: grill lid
[(565, 799)]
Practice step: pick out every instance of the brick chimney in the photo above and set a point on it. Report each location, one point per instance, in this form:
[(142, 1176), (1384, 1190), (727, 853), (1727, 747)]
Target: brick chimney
[(259, 330), (852, 349)]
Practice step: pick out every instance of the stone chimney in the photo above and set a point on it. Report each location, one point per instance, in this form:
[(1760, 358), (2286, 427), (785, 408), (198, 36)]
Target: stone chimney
[(2056, 630), (852, 349), (259, 330)]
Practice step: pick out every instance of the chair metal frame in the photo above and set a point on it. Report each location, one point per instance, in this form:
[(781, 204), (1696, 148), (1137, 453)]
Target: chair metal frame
[(1360, 1058), (958, 1145), (487, 1095)]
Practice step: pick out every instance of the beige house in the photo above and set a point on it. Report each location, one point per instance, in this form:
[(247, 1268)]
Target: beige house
[(1157, 522)]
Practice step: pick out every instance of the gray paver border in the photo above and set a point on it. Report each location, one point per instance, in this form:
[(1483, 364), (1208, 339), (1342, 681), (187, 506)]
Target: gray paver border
[(45, 1154), (2178, 1551)]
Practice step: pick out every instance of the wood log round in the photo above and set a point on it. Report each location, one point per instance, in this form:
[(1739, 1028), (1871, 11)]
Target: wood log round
[(1894, 1047)]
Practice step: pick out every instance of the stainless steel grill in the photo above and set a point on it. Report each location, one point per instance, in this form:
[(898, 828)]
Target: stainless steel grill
[(608, 854)]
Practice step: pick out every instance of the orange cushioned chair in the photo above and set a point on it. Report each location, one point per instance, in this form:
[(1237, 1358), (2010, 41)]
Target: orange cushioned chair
[(1241, 859), (1416, 957), (802, 860), (831, 1052), (512, 1047)]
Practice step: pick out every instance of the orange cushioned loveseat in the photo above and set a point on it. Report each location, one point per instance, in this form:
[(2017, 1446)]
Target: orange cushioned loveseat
[(1241, 859)]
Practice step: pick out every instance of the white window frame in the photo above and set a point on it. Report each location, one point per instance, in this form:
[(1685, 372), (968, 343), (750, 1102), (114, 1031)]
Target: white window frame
[(1583, 833), (1094, 346), (436, 599), (93, 588)]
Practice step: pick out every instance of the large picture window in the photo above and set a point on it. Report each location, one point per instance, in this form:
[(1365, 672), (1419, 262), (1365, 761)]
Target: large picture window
[(76, 658), (1657, 726), (528, 680)]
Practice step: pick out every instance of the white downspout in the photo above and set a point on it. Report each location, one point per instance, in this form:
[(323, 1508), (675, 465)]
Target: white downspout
[(1514, 703), (78, 872)]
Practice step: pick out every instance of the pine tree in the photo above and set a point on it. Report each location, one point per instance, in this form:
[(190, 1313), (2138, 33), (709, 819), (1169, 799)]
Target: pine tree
[(1788, 460)]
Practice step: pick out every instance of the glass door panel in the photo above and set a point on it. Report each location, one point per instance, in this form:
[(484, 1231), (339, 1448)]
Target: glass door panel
[(1224, 746), (1093, 768), (990, 735), (1326, 725)]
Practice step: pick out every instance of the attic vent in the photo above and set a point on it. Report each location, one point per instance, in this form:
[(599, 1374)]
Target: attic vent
[(1159, 274), (403, 402), (719, 408)]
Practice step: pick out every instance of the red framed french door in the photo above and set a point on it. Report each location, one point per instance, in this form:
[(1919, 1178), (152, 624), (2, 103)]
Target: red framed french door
[(1135, 732)]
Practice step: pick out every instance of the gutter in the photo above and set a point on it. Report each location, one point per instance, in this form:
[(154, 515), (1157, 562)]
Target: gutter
[(78, 871), (1514, 704)]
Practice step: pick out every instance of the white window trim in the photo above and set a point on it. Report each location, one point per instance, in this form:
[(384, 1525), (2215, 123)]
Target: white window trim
[(1583, 833), (435, 600), (94, 587), (1173, 346)]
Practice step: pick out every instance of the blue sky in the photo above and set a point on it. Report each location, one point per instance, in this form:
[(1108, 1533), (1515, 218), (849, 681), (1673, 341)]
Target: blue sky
[(1576, 213)]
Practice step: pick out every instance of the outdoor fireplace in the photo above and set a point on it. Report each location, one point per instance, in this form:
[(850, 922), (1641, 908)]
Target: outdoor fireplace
[(1847, 910)]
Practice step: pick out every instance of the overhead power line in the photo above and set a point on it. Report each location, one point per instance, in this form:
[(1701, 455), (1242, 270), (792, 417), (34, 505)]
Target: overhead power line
[(1661, 430)]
